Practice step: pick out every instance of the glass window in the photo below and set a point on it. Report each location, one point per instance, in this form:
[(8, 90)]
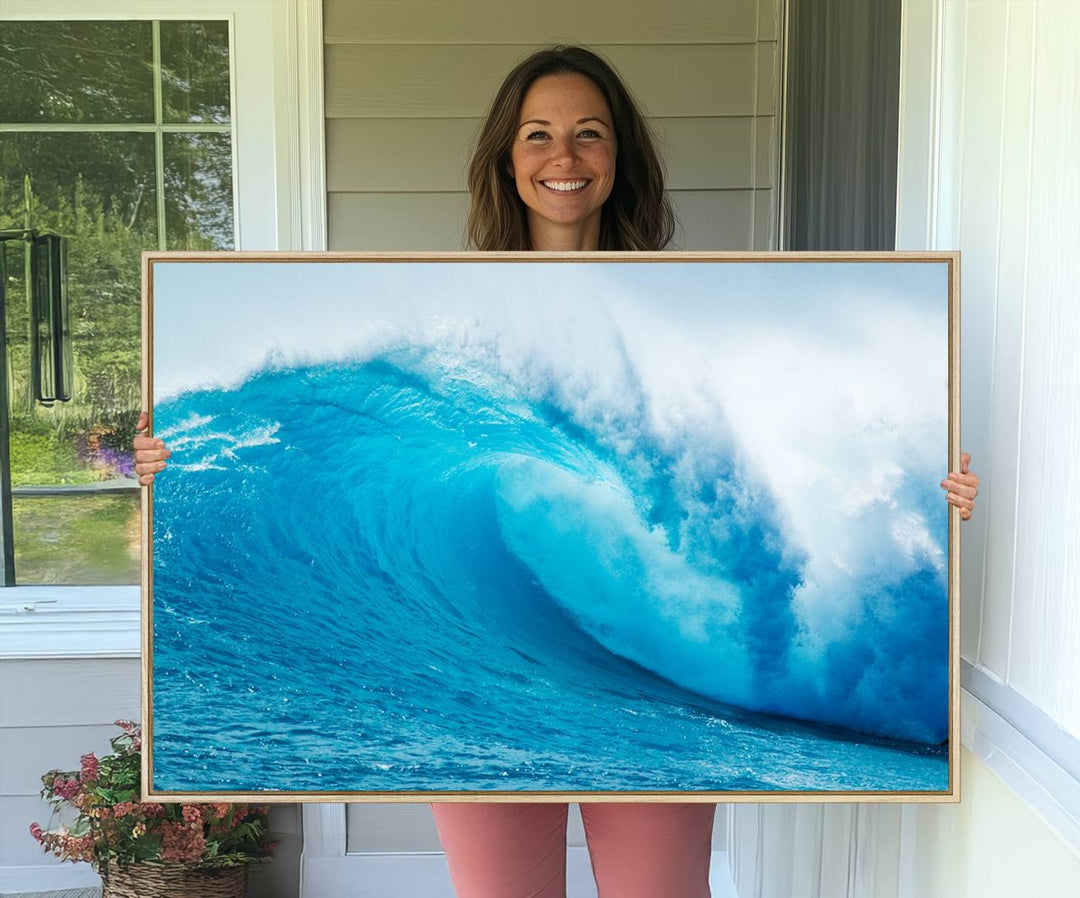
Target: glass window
[(117, 136), (195, 71), (64, 72)]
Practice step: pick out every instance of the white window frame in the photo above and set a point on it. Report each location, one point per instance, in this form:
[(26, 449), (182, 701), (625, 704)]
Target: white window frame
[(276, 53)]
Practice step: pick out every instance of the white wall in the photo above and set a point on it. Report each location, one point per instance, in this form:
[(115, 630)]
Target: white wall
[(1009, 198), (991, 845)]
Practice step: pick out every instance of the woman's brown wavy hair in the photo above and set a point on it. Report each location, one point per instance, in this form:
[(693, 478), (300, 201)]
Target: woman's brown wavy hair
[(637, 214)]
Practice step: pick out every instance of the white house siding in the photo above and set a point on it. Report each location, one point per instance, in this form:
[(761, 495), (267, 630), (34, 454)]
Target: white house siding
[(408, 82), (53, 712)]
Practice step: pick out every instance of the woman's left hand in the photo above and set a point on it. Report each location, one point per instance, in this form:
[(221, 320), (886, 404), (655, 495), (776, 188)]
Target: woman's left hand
[(962, 488)]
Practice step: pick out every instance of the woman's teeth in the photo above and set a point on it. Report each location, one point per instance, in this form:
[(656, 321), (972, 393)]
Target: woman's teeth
[(564, 186)]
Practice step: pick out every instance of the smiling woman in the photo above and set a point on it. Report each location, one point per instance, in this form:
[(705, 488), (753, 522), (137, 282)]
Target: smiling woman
[(563, 116)]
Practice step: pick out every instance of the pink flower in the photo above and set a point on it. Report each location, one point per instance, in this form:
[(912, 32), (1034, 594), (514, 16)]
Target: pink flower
[(153, 809), (123, 808), (181, 842), (191, 813), (89, 767), (36, 831), (128, 726), (65, 788)]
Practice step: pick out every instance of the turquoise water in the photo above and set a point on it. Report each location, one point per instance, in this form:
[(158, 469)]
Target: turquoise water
[(398, 575)]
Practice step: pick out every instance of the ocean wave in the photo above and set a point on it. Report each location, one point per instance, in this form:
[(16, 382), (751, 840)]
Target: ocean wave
[(515, 523)]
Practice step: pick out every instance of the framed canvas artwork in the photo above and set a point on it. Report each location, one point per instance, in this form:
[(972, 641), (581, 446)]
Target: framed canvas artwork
[(531, 527)]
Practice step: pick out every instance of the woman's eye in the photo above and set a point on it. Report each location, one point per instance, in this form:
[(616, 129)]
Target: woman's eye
[(536, 135), (589, 132)]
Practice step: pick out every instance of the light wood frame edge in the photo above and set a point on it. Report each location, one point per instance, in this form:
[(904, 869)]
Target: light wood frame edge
[(950, 795)]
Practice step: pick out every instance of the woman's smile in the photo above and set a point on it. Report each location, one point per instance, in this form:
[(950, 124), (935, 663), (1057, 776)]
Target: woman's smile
[(566, 186)]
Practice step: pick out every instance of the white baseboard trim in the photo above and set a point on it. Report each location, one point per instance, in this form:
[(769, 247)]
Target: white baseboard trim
[(426, 876)]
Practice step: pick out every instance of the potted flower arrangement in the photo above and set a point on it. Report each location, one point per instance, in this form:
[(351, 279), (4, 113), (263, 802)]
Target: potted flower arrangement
[(145, 848)]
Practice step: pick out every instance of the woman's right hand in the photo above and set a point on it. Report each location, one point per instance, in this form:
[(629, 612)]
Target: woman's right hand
[(150, 453)]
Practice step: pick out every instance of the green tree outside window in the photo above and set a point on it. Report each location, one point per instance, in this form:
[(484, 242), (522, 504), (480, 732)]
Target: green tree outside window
[(118, 136)]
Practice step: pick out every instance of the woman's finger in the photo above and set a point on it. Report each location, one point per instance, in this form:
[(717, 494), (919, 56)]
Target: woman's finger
[(960, 501), (969, 491), (148, 455), (144, 421)]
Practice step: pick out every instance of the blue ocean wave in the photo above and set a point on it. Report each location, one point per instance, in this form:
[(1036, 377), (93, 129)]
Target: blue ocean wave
[(423, 554)]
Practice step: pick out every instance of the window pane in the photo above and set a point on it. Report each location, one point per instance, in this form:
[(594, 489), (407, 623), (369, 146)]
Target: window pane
[(98, 191), (198, 191), (80, 540), (76, 72), (195, 71), (104, 176)]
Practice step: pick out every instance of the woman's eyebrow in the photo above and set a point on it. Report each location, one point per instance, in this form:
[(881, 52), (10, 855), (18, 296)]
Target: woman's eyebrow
[(580, 121)]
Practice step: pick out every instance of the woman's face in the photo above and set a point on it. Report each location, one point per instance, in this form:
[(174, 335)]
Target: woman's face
[(563, 159)]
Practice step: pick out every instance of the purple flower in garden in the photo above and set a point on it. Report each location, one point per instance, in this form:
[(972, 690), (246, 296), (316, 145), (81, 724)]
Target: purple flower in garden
[(112, 462), (119, 462)]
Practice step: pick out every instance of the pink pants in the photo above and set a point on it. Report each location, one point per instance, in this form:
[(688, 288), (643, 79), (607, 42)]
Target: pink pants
[(640, 850)]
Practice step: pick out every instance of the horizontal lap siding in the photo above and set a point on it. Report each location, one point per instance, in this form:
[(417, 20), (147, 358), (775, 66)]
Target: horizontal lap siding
[(524, 22), (53, 712), (408, 84), (460, 80)]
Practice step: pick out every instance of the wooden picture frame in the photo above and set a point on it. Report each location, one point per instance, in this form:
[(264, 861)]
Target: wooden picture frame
[(637, 526)]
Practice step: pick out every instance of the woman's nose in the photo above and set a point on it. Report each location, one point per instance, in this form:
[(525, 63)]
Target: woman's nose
[(564, 150)]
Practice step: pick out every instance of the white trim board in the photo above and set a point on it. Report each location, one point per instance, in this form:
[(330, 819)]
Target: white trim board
[(69, 622), (1043, 784)]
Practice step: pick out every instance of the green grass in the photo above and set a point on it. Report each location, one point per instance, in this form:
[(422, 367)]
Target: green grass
[(41, 458), (84, 540)]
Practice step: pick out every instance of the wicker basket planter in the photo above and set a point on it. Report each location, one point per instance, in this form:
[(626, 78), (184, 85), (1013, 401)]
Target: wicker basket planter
[(148, 880)]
